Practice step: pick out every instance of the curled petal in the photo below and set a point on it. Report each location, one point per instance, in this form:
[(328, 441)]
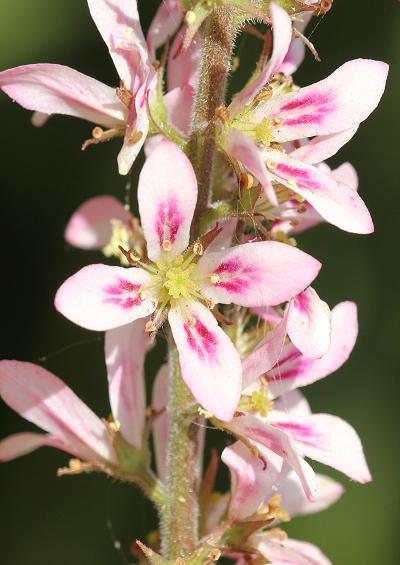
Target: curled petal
[(210, 364), (278, 441), (43, 399), (293, 499), (55, 89), (288, 552), (297, 48), (252, 480), (119, 26), (337, 203), (282, 29), (125, 350), (242, 148), (257, 274), (23, 443), (90, 225), (267, 353), (184, 67), (335, 104), (309, 324), (167, 196), (329, 440), (99, 297), (164, 24), (294, 370), (179, 103), (323, 147)]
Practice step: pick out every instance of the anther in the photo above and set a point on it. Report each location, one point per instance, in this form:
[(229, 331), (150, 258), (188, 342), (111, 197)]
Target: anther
[(210, 304), (215, 279), (97, 133), (190, 17), (235, 64), (302, 209), (222, 114), (198, 248), (135, 137), (150, 327), (271, 165), (292, 183), (277, 121), (191, 321), (246, 181), (264, 94), (166, 245), (75, 464)]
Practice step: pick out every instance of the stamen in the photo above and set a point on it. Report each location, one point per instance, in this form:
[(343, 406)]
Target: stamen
[(277, 121), (190, 17), (271, 165), (215, 279), (150, 327), (246, 181)]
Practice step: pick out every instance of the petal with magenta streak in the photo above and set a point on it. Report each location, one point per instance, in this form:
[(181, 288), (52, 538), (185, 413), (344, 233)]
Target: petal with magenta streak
[(210, 364), (167, 195), (263, 273), (100, 297)]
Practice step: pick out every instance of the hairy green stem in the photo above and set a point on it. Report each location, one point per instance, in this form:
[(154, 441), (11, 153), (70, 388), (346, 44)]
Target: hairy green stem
[(179, 512), (219, 35)]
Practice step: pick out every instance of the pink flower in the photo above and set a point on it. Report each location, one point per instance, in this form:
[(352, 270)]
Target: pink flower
[(280, 550), (181, 283), (268, 113), (43, 399), (55, 89), (289, 429)]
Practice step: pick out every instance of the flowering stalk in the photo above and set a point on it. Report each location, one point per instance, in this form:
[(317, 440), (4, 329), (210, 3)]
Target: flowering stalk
[(179, 514), (220, 268), (219, 36)]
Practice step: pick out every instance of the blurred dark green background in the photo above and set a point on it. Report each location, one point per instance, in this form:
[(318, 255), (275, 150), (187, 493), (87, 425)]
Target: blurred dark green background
[(45, 176)]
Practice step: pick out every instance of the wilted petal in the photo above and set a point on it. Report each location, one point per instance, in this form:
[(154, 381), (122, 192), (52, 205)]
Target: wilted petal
[(335, 104), (242, 148), (119, 26), (167, 194), (43, 399), (210, 364), (309, 324), (160, 425), (278, 441), (327, 439), (125, 350), (295, 502), (90, 225), (55, 89), (323, 146), (257, 274), (252, 479), (267, 353), (337, 203), (100, 297), (282, 33), (294, 370), (164, 24), (23, 443)]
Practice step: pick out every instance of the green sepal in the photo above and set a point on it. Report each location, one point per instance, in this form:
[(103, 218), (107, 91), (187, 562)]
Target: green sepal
[(238, 533)]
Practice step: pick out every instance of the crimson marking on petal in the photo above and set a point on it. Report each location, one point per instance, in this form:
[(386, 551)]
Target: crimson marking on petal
[(246, 275), (124, 294), (168, 220), (203, 342), (291, 373), (306, 433), (308, 100), (316, 118), (302, 176)]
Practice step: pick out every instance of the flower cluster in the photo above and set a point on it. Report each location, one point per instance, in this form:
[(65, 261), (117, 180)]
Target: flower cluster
[(227, 283)]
